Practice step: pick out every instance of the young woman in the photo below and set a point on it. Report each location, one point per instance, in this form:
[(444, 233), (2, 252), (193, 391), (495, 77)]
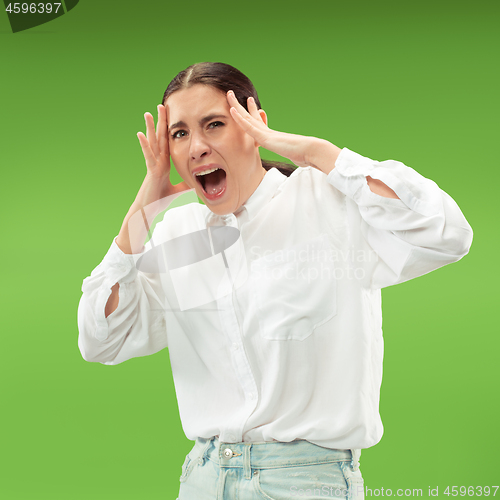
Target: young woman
[(268, 294)]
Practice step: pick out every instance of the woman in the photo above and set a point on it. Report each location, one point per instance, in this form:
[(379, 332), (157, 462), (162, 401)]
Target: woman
[(268, 294)]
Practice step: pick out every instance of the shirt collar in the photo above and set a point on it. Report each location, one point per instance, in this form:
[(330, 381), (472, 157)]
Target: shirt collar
[(263, 193)]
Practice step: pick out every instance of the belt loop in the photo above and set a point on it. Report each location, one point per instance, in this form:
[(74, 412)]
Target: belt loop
[(205, 448), (355, 455), (247, 470)]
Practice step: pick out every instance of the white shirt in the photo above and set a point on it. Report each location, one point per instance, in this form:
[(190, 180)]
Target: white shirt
[(290, 346)]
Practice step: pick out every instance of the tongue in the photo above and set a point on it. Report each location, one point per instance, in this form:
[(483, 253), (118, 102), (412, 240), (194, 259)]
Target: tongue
[(214, 182)]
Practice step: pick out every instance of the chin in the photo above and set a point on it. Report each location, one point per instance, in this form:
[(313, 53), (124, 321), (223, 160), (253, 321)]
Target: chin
[(222, 209)]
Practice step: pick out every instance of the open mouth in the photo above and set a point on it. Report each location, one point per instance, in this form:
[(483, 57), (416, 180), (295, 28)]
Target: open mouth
[(213, 183)]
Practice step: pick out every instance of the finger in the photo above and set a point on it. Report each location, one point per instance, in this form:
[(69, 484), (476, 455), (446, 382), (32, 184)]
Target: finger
[(252, 108), (240, 110), (151, 133), (252, 112), (146, 151), (248, 124), (161, 132), (235, 103)]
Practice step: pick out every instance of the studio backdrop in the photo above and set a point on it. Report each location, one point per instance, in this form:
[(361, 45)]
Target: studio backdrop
[(411, 81)]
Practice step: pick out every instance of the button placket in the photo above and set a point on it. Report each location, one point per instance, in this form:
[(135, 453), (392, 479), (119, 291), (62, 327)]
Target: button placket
[(240, 361), (241, 365)]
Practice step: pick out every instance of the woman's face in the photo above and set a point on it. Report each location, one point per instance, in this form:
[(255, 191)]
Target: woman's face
[(203, 136)]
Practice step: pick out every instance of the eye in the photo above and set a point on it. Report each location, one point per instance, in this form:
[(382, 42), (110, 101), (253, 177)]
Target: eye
[(215, 124), (176, 135)]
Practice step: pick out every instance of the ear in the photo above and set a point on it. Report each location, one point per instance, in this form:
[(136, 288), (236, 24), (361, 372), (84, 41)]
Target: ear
[(263, 117)]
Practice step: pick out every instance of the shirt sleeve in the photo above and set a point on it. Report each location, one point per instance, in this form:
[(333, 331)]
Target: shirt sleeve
[(421, 231), (137, 327)]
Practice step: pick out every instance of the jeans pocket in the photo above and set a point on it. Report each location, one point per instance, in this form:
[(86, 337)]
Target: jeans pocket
[(295, 289), (354, 480), (308, 482)]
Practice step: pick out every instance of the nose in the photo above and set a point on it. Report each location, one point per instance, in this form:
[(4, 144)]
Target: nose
[(198, 147)]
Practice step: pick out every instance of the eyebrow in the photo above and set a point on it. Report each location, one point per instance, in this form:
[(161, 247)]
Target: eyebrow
[(201, 122)]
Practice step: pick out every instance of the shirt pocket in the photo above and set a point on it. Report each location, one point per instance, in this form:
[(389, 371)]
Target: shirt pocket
[(295, 289)]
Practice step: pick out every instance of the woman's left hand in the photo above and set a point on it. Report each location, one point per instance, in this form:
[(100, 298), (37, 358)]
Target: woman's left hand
[(294, 147)]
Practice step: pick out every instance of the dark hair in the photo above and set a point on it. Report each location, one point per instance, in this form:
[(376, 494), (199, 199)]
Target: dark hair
[(224, 78)]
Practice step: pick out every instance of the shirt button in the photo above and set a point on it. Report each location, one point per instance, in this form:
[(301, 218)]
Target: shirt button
[(251, 395), (227, 453), (235, 346)]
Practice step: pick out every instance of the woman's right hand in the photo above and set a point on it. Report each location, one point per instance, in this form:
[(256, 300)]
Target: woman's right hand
[(153, 196), (155, 145), (157, 155)]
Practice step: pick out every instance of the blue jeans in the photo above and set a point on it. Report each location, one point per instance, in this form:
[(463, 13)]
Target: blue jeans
[(269, 471)]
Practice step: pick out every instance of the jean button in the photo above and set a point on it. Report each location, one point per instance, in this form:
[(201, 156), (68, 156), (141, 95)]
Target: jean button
[(227, 453)]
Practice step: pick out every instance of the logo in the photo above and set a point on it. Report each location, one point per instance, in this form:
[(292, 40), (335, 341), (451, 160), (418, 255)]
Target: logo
[(25, 15), (205, 263)]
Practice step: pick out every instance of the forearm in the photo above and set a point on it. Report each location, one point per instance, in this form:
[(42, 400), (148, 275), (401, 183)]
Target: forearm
[(136, 328), (421, 231), (323, 155), (113, 300), (151, 199), (132, 234)]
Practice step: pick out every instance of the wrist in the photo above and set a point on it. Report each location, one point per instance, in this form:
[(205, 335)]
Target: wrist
[(322, 155), (159, 183)]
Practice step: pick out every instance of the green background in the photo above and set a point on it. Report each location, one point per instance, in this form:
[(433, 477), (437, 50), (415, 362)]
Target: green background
[(412, 81)]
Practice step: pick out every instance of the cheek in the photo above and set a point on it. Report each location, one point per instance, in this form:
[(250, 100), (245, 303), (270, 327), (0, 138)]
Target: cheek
[(178, 156), (239, 146), (173, 149)]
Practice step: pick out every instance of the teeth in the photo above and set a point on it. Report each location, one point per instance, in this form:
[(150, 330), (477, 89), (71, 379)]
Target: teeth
[(205, 172)]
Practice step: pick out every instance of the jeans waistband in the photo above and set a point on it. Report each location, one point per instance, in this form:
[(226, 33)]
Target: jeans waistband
[(270, 455)]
